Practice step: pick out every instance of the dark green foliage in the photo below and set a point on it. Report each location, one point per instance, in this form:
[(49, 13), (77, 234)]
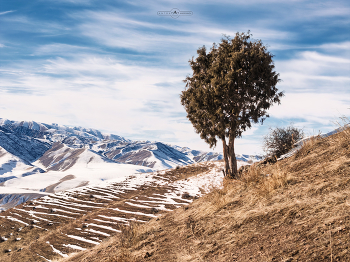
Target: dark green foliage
[(280, 140), (232, 86)]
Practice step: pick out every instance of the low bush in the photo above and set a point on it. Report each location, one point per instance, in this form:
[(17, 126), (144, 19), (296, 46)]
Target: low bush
[(280, 140)]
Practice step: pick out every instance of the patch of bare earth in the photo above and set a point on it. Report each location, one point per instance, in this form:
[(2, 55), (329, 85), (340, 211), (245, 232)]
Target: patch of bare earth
[(50, 189), (295, 210)]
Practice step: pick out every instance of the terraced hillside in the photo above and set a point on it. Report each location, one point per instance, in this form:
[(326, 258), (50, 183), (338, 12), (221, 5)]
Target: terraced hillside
[(56, 225)]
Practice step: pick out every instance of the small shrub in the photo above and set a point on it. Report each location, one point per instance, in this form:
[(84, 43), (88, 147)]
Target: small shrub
[(280, 140), (243, 170), (186, 196), (154, 210)]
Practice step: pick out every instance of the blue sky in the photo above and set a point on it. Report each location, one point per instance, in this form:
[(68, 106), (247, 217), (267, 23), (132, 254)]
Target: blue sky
[(118, 66)]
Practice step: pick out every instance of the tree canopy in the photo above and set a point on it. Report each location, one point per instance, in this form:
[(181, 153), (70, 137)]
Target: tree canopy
[(231, 87)]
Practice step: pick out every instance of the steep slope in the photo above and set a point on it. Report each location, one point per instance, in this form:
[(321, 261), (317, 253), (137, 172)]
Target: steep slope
[(150, 154), (158, 155), (294, 210), (61, 158), (27, 148)]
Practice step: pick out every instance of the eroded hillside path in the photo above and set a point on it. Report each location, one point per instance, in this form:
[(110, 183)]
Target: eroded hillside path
[(56, 225)]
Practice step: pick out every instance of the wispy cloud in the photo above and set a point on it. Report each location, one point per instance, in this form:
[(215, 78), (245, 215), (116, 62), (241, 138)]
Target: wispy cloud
[(314, 71), (312, 107), (58, 49), (329, 10), (27, 24), (7, 12), (336, 46)]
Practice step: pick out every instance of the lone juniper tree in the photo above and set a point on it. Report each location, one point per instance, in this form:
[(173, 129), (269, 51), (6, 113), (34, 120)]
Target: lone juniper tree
[(231, 87)]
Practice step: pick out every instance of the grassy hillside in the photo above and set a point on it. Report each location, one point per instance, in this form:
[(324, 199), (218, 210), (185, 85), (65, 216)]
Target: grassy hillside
[(295, 210)]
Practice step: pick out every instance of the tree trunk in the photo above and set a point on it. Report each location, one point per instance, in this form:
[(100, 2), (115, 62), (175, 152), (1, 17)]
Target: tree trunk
[(232, 157), (227, 165)]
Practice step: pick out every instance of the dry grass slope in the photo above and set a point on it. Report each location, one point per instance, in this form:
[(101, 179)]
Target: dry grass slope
[(295, 210)]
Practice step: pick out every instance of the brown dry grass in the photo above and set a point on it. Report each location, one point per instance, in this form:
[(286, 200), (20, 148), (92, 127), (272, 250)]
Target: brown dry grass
[(299, 212)]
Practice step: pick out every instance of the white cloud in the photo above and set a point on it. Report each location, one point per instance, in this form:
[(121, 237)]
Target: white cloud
[(336, 46), (114, 28), (321, 108), (26, 23), (7, 12), (331, 11), (102, 92), (314, 71), (97, 92), (325, 59), (59, 49)]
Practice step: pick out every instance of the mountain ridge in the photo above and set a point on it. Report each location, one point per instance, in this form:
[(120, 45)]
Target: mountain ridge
[(52, 158), (146, 153)]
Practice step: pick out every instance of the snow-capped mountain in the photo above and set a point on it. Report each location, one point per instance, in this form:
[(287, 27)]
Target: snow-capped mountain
[(151, 154), (49, 158), (30, 140), (50, 133)]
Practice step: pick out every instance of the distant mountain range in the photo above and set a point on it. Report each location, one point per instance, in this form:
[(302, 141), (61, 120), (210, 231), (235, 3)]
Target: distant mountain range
[(48, 158), (30, 140)]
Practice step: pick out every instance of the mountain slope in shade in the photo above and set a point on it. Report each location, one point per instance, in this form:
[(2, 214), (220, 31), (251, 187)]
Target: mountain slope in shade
[(11, 200), (12, 166), (25, 147)]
